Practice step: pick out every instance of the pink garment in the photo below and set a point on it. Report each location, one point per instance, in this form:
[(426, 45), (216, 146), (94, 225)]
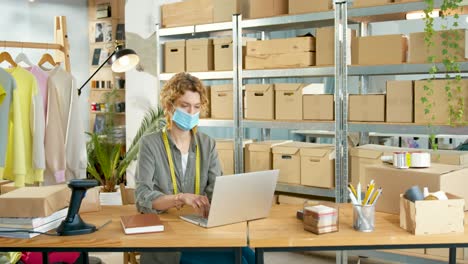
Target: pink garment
[(41, 78), (36, 257)]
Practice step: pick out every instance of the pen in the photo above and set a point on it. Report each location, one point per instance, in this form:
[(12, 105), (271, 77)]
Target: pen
[(358, 193), (351, 187), (379, 192), (352, 196), (368, 194)]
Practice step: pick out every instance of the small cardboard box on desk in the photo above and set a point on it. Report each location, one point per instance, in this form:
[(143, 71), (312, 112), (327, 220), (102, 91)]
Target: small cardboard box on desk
[(428, 217), (34, 201), (448, 178)]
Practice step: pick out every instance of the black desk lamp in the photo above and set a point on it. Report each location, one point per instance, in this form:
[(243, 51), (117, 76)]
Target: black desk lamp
[(122, 60)]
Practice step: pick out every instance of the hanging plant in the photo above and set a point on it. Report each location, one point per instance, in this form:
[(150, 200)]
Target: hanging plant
[(450, 55)]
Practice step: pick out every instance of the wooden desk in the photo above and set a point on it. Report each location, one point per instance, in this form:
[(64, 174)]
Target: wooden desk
[(283, 232), (178, 235)]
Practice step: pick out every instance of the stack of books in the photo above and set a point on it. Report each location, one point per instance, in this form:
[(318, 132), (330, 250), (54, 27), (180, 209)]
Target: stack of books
[(25, 227), (320, 219)]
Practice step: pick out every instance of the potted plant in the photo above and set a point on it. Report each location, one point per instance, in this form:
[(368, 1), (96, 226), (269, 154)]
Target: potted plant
[(107, 161)]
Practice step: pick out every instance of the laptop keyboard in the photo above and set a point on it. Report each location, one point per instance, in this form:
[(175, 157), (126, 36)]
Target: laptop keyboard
[(196, 218)]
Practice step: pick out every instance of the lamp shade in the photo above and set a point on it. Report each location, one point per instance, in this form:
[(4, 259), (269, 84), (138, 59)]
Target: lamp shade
[(124, 59)]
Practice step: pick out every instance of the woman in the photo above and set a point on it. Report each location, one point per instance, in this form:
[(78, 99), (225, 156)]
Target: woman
[(167, 175)]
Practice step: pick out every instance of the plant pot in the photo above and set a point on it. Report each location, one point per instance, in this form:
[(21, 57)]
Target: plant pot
[(110, 198)]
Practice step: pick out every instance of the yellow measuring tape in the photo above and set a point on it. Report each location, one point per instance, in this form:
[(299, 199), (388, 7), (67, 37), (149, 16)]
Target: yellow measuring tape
[(171, 165)]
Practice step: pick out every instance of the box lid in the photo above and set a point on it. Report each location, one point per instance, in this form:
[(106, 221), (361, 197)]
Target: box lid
[(288, 86), (222, 88), (175, 43), (318, 152), (372, 151), (435, 169), (452, 157), (258, 88), (294, 147), (314, 88), (199, 42), (265, 145), (228, 144), (223, 41)]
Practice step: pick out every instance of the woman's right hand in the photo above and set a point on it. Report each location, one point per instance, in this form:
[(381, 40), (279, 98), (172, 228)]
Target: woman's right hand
[(199, 202)]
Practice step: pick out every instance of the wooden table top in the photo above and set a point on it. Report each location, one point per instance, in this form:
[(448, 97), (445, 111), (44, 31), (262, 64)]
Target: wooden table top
[(177, 234), (282, 229)]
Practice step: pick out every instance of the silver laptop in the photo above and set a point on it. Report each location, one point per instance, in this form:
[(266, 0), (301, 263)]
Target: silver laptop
[(238, 198)]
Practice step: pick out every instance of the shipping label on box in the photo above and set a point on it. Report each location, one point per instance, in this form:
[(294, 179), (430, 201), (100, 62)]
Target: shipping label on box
[(400, 101), (188, 12), (318, 166), (367, 108), (199, 55), (306, 6), (281, 46), (448, 178), (174, 56), (370, 50), (432, 216), (273, 61), (438, 98), (419, 53), (259, 101), (288, 101), (222, 101), (258, 155), (264, 8), (318, 107)]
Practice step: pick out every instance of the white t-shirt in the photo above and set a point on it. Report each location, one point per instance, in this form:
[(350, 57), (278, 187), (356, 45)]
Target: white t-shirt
[(184, 163)]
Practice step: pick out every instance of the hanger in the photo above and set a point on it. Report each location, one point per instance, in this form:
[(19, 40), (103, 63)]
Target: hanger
[(46, 57), (5, 56), (21, 57)]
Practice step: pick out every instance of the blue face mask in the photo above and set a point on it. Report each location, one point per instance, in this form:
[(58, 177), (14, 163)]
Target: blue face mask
[(184, 120)]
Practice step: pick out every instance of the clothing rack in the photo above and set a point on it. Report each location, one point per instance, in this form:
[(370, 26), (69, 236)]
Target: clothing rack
[(61, 45)]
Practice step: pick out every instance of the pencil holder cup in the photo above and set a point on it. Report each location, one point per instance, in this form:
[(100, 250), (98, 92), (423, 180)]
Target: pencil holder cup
[(364, 218)]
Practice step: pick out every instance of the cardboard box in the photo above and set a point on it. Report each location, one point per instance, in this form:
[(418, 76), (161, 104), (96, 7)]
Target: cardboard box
[(419, 53), (174, 56), (440, 109), (400, 103), (370, 50), (448, 178), (286, 60), (287, 158), (259, 102), (288, 100), (365, 3), (364, 156), (91, 202), (225, 149), (281, 46), (223, 53), (318, 166), (224, 9), (188, 12), (200, 55), (258, 155), (305, 6), (264, 8), (325, 50), (34, 201), (450, 157), (221, 101), (4, 182), (432, 217), (8, 187), (318, 107), (444, 252), (286, 199), (367, 108), (207, 114)]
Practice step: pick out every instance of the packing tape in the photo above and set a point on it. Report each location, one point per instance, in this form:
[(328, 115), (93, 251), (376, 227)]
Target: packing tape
[(420, 160)]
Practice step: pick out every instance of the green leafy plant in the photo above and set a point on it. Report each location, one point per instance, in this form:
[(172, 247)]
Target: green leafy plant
[(450, 51), (107, 163)]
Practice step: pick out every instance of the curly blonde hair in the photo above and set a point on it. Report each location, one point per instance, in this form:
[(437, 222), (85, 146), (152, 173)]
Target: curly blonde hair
[(176, 87)]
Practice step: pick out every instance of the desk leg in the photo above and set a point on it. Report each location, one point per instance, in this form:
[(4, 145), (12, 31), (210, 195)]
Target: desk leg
[(45, 257), (259, 255), (452, 255), (85, 257), (237, 255)]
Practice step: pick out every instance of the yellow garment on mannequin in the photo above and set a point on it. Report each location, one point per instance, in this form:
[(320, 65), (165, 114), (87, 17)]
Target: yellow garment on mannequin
[(2, 94)]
